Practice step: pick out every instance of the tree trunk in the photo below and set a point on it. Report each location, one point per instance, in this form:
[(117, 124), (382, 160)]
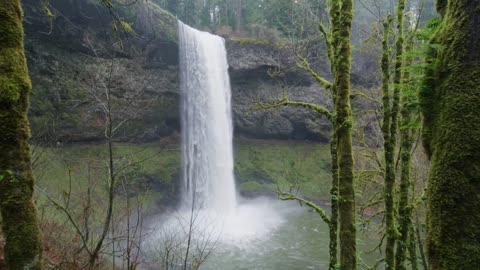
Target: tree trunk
[(333, 227), (344, 123), (406, 139), (23, 248), (450, 99), (391, 144), (388, 148), (412, 247)]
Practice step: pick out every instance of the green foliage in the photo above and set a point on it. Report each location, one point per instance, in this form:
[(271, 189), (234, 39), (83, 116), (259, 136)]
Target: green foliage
[(51, 106), (426, 33), (252, 187), (305, 166)]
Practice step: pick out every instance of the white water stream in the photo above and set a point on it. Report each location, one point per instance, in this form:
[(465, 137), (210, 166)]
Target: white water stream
[(207, 130), (207, 144)]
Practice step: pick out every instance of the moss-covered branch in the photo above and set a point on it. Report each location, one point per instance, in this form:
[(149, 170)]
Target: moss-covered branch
[(278, 103), (389, 149), (406, 139), (285, 196), (328, 41), (305, 65)]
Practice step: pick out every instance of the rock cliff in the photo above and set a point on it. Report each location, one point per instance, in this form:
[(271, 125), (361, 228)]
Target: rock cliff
[(76, 57)]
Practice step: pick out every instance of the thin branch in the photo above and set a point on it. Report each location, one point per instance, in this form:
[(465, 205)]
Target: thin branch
[(305, 65), (69, 216), (285, 196), (274, 104)]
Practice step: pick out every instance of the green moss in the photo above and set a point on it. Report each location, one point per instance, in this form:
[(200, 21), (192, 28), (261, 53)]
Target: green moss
[(12, 58), (453, 235), (23, 247), (342, 28), (13, 66)]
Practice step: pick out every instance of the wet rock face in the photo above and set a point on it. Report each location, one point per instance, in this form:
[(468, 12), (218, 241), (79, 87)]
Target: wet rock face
[(69, 96), (254, 73), (70, 82), (282, 123)]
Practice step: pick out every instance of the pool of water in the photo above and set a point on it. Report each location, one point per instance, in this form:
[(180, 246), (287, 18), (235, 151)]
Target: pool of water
[(299, 242), (263, 234)]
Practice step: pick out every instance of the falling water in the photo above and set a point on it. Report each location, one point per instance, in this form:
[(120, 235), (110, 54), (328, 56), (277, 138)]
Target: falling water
[(209, 215), (207, 131)]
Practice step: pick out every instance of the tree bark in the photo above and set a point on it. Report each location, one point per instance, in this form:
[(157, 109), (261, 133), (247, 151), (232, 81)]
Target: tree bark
[(23, 249)]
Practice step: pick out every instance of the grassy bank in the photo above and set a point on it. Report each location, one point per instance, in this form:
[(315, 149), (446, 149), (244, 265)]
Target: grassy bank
[(267, 166), (260, 167)]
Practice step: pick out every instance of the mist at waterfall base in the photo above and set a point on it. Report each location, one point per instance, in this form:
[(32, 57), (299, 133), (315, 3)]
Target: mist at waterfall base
[(212, 217)]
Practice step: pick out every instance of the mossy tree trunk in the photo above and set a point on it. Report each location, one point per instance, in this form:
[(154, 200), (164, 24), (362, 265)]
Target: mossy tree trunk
[(332, 44), (20, 226), (451, 102), (333, 226), (388, 148), (406, 147), (390, 143), (343, 126)]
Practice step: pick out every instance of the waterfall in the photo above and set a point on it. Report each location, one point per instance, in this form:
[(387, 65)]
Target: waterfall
[(206, 122)]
